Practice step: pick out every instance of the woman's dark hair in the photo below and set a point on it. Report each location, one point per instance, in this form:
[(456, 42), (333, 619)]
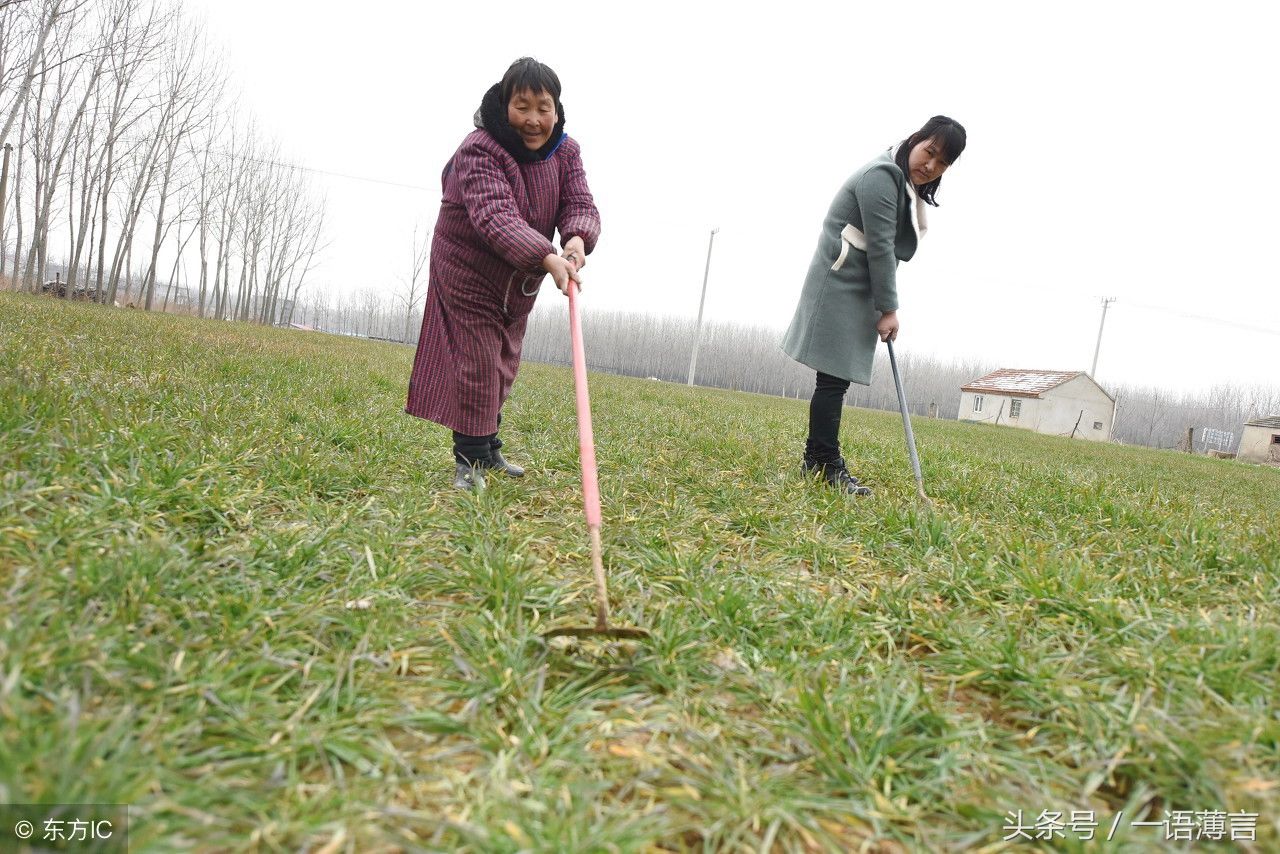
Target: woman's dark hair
[(528, 73), (949, 134)]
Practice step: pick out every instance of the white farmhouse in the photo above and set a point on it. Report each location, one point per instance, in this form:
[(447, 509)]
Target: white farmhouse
[(1060, 403), (1260, 441)]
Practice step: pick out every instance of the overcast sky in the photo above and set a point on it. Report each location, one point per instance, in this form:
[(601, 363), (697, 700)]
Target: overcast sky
[(1117, 149)]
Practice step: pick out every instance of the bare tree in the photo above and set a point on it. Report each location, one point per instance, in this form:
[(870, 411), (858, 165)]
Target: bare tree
[(17, 196), (314, 225), (180, 220), (76, 73), (234, 177), (137, 44), (415, 287), (13, 17), (146, 157), (190, 87), (80, 219), (212, 182)]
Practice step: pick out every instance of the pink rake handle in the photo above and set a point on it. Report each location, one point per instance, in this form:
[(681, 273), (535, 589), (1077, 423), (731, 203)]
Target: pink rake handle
[(586, 440), (587, 451)]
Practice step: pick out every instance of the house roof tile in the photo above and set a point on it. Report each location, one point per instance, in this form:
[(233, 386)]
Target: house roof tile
[(1020, 382)]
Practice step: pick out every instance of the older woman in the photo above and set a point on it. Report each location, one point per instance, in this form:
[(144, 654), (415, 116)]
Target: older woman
[(850, 295), (514, 180)]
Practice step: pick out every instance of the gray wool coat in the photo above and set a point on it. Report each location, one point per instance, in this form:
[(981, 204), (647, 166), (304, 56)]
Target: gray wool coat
[(870, 227)]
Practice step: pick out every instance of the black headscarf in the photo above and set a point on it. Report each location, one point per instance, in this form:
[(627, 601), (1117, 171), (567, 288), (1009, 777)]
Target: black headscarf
[(492, 116)]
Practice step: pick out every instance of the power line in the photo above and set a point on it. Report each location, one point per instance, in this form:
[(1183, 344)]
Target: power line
[(298, 168), (231, 155), (1250, 327)]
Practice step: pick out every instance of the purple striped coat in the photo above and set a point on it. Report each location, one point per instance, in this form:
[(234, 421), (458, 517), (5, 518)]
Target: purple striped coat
[(494, 229)]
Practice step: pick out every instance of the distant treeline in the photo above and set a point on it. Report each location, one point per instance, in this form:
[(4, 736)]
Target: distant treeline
[(748, 358), (732, 356)]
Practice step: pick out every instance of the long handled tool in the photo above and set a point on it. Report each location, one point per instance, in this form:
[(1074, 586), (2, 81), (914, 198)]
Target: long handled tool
[(590, 490), (906, 423)]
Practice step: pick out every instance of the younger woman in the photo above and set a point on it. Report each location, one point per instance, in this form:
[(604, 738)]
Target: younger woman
[(850, 297)]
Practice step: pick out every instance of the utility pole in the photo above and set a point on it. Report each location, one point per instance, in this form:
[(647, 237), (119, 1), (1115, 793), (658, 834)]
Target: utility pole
[(4, 186), (697, 335), (1093, 371)]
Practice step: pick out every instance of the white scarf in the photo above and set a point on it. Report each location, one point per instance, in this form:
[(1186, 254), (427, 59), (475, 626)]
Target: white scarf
[(919, 220)]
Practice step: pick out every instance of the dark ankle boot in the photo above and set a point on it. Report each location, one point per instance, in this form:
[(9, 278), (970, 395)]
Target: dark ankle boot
[(497, 462), (467, 477), (836, 475)]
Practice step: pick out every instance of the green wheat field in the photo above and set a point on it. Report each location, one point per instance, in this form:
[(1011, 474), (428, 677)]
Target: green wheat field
[(238, 593)]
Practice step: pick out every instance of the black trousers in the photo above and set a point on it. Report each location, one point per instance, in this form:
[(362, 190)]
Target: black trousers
[(475, 450), (823, 444)]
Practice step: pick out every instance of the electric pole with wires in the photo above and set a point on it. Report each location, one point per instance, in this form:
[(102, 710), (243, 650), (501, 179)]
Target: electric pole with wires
[(697, 334), (1093, 371)]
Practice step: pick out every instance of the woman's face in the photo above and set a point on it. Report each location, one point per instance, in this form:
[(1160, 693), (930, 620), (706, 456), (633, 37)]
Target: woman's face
[(926, 162), (533, 115)]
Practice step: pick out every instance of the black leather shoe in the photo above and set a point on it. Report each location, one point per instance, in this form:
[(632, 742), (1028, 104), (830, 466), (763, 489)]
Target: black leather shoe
[(467, 478), (497, 462), (836, 475)]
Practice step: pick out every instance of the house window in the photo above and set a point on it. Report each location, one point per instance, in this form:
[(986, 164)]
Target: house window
[(977, 403), (1097, 425), (1275, 438), (1015, 407)]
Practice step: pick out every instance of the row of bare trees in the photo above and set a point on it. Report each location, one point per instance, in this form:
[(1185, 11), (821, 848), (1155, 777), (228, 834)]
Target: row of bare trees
[(372, 312), (749, 358), (130, 165), (367, 313), (732, 356)]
